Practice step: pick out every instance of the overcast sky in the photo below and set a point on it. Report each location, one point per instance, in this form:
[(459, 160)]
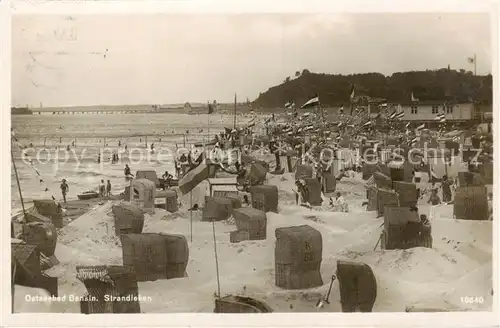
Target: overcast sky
[(160, 59)]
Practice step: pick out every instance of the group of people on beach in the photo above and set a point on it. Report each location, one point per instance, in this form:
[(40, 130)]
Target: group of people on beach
[(104, 190)]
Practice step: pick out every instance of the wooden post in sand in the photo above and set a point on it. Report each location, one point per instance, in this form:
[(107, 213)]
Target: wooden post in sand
[(104, 141), (44, 142), (146, 142), (184, 137)]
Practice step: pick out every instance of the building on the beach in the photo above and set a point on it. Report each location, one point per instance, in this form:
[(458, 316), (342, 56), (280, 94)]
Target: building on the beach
[(200, 108), (483, 113), (427, 111)]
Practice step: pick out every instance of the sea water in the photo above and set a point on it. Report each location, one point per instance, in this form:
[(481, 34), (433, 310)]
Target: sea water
[(45, 139)]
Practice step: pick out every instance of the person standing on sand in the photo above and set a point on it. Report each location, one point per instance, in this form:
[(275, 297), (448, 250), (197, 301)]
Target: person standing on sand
[(446, 185), (102, 190), (108, 189), (64, 189)]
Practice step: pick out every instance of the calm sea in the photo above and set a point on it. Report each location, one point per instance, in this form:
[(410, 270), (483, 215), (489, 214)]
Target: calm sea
[(46, 138)]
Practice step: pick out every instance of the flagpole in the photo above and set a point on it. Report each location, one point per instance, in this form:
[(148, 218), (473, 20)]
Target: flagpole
[(19, 189), (321, 109), (234, 117), (475, 71), (208, 125), (216, 259)]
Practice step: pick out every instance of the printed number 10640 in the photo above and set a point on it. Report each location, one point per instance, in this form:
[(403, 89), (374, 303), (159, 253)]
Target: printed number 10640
[(472, 299)]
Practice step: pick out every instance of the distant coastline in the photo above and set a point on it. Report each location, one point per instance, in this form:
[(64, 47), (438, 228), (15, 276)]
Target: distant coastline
[(195, 109), (20, 111)]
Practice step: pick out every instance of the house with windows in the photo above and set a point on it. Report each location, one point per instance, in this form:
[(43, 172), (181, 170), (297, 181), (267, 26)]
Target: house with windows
[(427, 111)]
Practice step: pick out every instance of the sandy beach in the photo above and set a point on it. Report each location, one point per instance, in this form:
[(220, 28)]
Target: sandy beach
[(458, 265)]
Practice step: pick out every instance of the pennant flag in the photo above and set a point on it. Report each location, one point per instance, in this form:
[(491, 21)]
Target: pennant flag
[(351, 94), (393, 115), (306, 114), (440, 117), (309, 127), (408, 125), (470, 60), (367, 123), (383, 105), (400, 115), (414, 140), (339, 124), (313, 102), (420, 127), (413, 98), (289, 105)]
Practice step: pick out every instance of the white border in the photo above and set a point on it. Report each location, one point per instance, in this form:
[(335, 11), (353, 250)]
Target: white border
[(457, 319)]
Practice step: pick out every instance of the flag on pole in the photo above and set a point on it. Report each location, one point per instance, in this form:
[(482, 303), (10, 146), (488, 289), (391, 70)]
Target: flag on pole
[(289, 105), (400, 115), (408, 125), (413, 98), (351, 94), (313, 102), (440, 117), (421, 126), (470, 60), (367, 123), (413, 141), (393, 115)]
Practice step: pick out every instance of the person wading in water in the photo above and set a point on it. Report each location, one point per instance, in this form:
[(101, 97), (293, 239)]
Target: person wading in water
[(64, 189)]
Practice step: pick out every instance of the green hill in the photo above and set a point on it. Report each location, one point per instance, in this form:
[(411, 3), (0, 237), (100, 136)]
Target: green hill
[(334, 90)]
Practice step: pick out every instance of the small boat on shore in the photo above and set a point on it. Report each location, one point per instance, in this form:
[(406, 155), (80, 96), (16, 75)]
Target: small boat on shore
[(88, 195)]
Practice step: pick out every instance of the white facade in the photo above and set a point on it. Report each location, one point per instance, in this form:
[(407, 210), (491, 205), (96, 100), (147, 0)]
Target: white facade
[(429, 111)]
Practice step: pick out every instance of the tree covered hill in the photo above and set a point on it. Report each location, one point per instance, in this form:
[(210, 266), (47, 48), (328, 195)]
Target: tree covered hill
[(334, 90)]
